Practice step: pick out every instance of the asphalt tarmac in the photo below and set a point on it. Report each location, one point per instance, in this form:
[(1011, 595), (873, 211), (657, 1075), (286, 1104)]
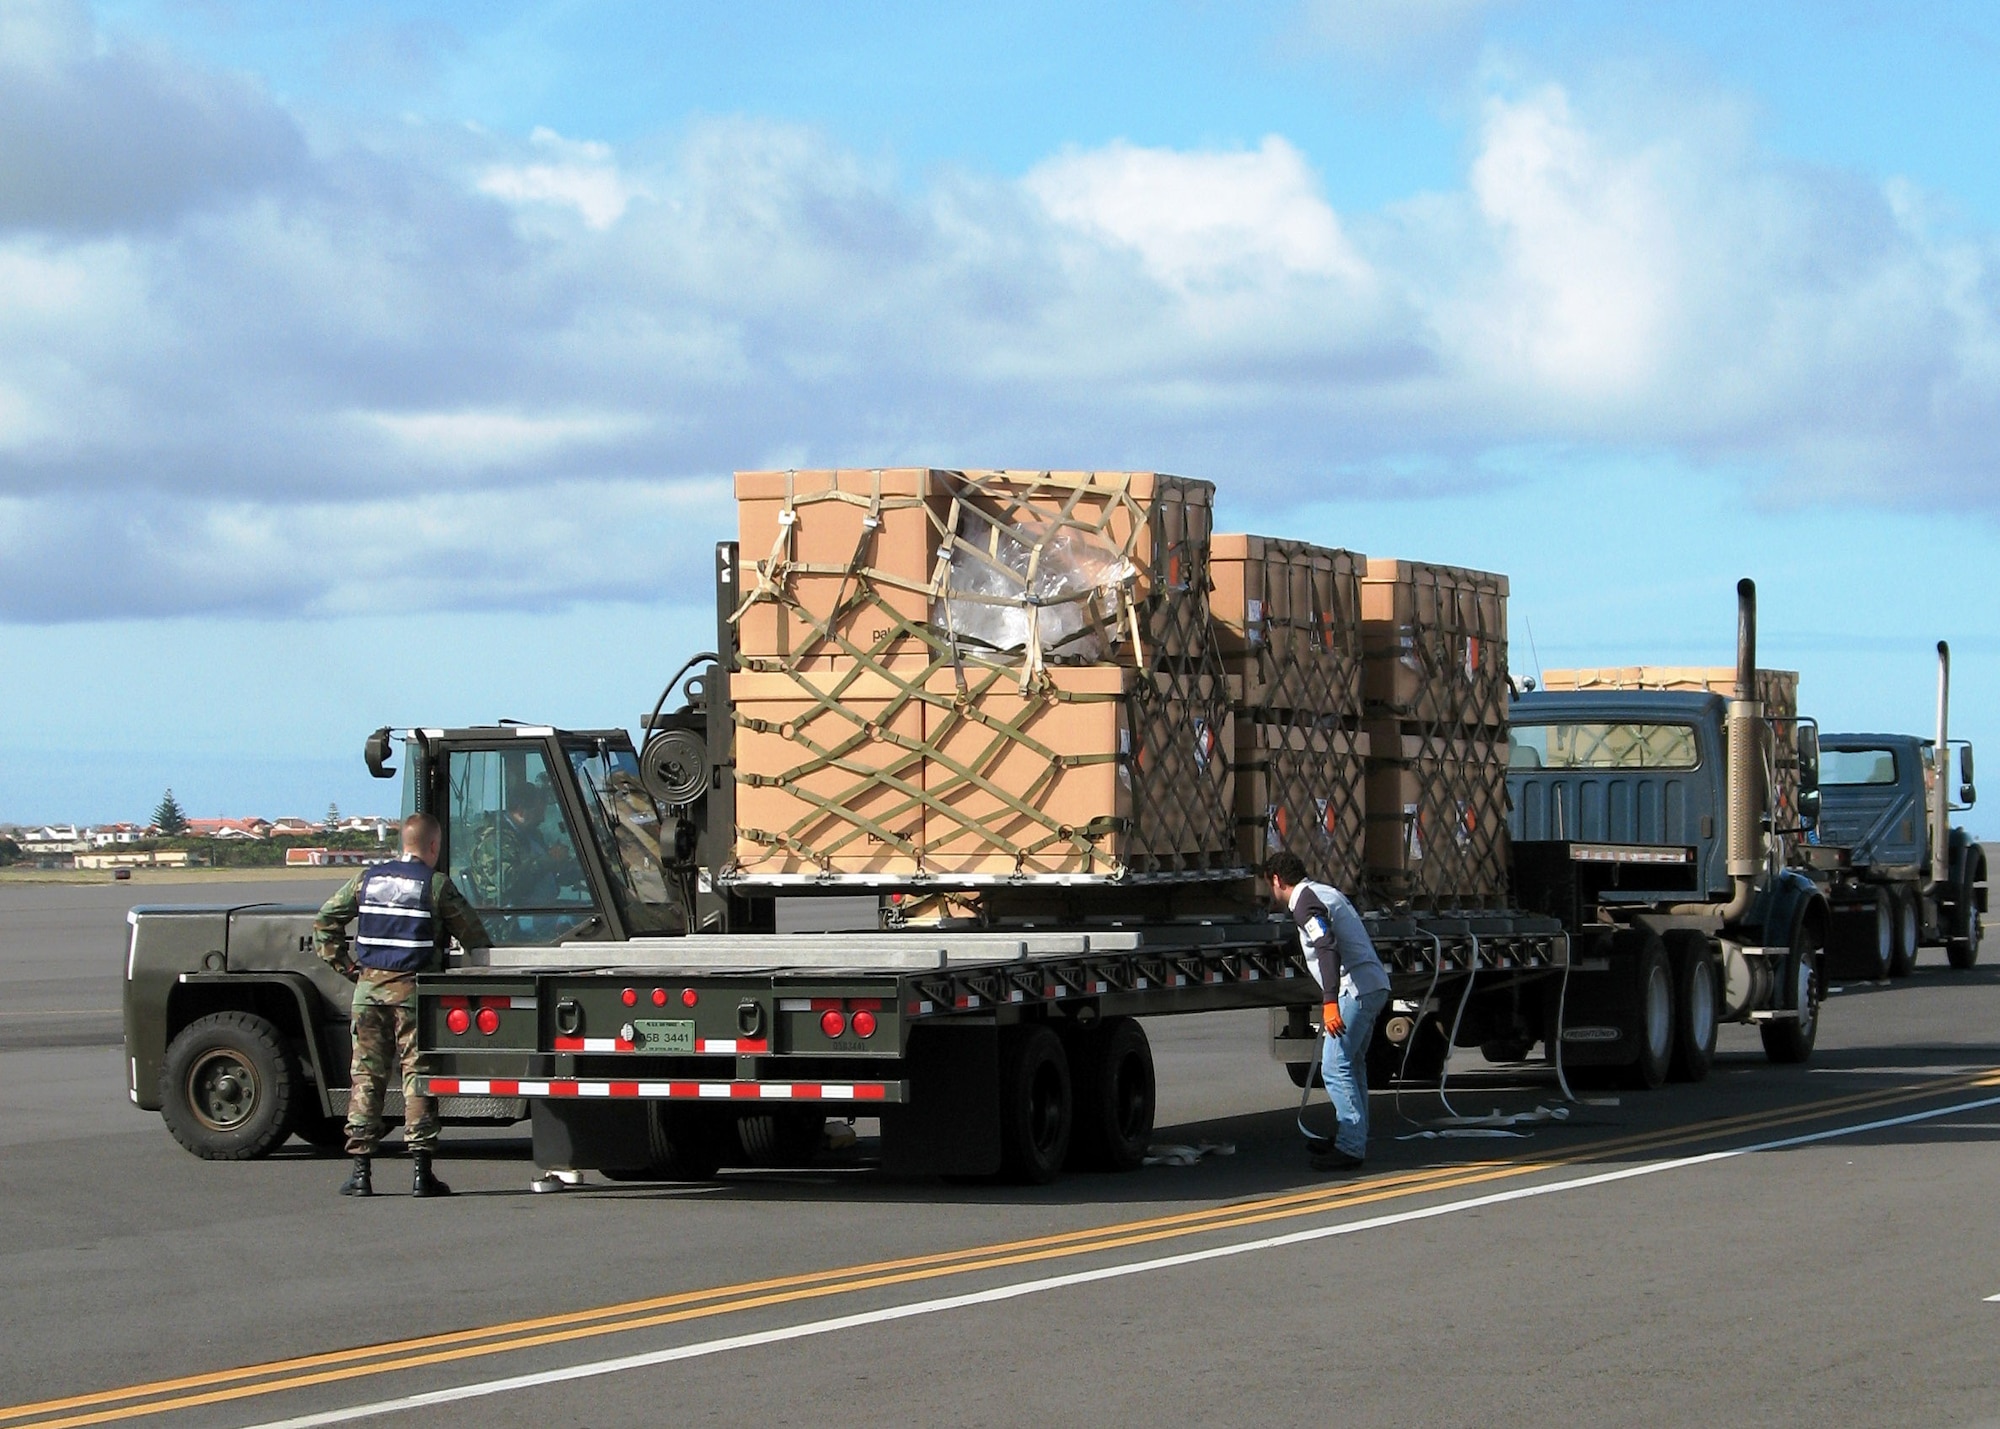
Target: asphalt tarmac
[(1802, 1245)]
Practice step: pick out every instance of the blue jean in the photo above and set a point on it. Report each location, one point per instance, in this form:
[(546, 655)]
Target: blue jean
[(1344, 1068)]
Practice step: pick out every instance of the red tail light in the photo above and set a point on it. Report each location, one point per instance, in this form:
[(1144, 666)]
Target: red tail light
[(489, 1021), (659, 997), (864, 1023), (458, 1019), (629, 997), (833, 1023), (687, 997)]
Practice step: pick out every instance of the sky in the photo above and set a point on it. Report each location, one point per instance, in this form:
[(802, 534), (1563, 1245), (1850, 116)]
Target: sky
[(377, 363)]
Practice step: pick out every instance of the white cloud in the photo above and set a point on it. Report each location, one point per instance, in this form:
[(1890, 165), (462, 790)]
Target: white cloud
[(578, 175), (414, 365)]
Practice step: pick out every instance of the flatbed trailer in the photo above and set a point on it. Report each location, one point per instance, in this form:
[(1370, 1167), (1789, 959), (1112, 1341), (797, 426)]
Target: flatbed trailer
[(1012, 1050)]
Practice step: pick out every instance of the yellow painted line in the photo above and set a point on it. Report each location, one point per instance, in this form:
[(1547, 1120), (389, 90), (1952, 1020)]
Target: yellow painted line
[(336, 1366)]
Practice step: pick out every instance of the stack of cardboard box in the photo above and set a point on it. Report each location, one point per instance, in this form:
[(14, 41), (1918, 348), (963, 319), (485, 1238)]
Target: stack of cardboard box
[(1435, 693), (977, 676), (1288, 623)]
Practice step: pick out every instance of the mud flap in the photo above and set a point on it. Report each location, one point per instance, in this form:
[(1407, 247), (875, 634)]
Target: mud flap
[(951, 1124)]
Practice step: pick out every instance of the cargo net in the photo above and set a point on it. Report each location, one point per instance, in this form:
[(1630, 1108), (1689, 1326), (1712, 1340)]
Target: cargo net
[(965, 770), (1437, 825), (1447, 663), (1300, 789), (1302, 661)]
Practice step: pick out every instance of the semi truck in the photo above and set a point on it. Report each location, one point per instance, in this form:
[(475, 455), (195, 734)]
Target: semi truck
[(652, 1019), (1898, 875)]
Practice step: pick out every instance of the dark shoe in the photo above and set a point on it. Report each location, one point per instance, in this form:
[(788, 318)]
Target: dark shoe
[(1331, 1160), (422, 1183), (359, 1181)]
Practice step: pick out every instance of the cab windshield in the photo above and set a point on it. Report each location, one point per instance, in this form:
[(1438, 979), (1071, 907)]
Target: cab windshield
[(1625, 744), (625, 824), (1857, 766)]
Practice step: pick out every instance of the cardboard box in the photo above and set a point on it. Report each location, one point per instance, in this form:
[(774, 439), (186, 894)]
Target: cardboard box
[(1302, 789), (1436, 819), (829, 773), (1434, 644), (816, 573), (1288, 623)]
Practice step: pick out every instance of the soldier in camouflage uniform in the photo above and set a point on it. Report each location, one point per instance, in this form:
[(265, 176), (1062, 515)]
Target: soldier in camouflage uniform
[(403, 911), (512, 864)]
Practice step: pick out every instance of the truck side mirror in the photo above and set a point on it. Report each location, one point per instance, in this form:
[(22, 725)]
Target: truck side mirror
[(1808, 755), (377, 753), (1808, 808), (1965, 764)]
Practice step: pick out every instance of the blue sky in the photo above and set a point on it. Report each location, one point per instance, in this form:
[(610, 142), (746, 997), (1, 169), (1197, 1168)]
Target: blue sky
[(386, 363)]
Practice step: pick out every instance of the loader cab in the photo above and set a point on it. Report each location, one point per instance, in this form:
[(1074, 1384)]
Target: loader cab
[(1624, 768), (549, 833)]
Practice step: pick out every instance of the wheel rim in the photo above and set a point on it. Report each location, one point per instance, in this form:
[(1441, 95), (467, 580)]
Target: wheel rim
[(1803, 992), (1045, 1110), (222, 1089), (1885, 937), (1701, 1004), (1910, 930), (1659, 1012)]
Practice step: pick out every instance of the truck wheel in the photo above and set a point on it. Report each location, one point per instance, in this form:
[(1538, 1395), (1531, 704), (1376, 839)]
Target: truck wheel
[(1909, 932), (1962, 947), (1791, 1040), (1697, 996), (226, 1087), (1035, 1105), (1111, 1071), (1880, 959), (1421, 1056), (683, 1143), (1652, 1005), (789, 1136)]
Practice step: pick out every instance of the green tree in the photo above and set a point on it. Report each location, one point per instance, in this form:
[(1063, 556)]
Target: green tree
[(332, 816), (169, 818), (10, 852)]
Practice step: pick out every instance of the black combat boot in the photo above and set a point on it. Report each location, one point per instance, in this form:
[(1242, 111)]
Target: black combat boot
[(422, 1183), (358, 1182)]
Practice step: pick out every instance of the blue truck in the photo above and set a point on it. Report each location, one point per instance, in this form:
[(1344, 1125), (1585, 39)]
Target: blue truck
[(1650, 822), (1898, 876)]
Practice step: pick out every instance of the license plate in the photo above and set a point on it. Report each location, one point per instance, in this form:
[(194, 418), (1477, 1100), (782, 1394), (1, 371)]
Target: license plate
[(654, 1034)]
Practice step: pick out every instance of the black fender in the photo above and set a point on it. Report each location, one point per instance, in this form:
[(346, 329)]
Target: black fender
[(1967, 861), (287, 1000), (1791, 903)]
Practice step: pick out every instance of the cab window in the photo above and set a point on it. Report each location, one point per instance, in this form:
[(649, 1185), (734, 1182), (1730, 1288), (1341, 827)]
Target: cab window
[(1624, 744), (1857, 766), (512, 853)]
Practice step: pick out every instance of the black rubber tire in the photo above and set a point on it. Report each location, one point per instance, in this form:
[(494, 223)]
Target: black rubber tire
[(784, 1136), (1697, 1003), (226, 1087), (1421, 1060), (1792, 1040), (1036, 1108), (320, 1131), (1968, 925), (1649, 1006), (684, 1142), (1909, 931), (1879, 958), (1111, 1073), (1303, 1072), (1507, 1049)]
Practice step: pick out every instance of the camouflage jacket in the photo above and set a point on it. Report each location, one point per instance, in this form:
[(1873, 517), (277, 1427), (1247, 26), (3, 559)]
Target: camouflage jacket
[(512, 867), (330, 927)]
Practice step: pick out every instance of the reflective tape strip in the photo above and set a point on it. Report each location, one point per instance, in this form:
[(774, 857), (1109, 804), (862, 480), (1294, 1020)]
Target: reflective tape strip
[(392, 910), (395, 942), (594, 1044), (666, 1091), (741, 1046)]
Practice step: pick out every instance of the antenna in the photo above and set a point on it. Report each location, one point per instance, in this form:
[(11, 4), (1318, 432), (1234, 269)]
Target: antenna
[(1540, 683)]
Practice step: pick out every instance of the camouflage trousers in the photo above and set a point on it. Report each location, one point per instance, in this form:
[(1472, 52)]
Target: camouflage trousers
[(385, 1038)]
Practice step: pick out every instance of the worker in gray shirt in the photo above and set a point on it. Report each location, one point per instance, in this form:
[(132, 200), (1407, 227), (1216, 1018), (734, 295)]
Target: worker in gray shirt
[(1354, 988)]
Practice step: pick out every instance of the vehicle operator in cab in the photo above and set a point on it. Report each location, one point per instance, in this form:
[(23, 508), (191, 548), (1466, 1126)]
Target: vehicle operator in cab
[(1354, 988), (403, 912)]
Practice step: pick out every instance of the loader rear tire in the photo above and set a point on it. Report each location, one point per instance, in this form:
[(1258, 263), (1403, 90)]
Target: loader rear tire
[(226, 1087)]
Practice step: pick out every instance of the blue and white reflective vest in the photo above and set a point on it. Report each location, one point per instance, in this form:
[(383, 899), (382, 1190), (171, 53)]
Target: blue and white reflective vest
[(396, 930)]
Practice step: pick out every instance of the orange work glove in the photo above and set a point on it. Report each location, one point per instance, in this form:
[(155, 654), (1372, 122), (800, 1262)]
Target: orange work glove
[(1330, 1019)]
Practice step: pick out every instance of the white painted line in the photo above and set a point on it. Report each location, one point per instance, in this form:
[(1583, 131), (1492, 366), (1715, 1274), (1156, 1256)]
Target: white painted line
[(596, 1368), (1993, 1299)]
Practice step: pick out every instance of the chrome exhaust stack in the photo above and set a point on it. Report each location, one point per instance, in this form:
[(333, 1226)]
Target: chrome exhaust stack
[(1746, 795), (1939, 792)]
